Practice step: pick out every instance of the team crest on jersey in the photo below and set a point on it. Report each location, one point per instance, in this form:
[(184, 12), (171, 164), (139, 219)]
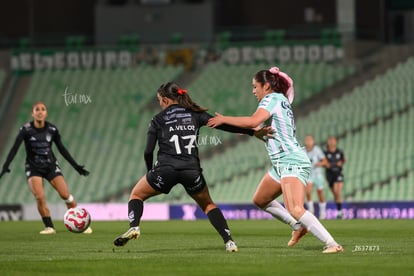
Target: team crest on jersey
[(48, 137)]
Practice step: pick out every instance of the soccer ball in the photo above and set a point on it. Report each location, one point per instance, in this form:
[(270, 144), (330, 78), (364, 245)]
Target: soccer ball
[(77, 219)]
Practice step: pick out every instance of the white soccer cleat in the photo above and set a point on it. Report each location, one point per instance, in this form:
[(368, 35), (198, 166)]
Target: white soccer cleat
[(231, 246), (132, 234), (48, 231), (88, 231), (297, 235), (333, 249)]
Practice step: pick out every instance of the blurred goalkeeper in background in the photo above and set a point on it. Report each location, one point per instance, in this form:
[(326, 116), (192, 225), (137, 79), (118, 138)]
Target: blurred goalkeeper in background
[(38, 136)]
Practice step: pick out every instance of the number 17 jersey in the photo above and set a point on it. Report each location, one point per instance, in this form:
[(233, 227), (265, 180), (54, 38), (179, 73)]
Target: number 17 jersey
[(176, 130)]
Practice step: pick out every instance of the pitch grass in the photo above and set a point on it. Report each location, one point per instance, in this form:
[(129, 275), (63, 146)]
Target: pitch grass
[(194, 248)]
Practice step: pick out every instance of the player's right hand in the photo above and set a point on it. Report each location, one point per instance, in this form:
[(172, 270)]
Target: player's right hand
[(4, 171)]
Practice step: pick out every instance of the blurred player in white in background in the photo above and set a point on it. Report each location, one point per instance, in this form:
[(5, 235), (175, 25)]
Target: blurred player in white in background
[(316, 177)]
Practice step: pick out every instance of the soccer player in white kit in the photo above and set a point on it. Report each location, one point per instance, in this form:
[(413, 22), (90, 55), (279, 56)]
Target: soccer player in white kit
[(316, 177), (290, 164)]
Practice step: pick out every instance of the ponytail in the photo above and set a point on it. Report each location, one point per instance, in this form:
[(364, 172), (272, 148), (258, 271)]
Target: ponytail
[(173, 91), (279, 82)]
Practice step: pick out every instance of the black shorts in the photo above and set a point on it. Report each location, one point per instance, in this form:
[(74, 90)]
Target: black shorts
[(48, 173), (334, 177), (164, 178)]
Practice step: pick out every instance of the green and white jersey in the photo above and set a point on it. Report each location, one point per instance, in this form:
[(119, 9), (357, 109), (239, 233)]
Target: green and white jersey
[(316, 155), (283, 122)]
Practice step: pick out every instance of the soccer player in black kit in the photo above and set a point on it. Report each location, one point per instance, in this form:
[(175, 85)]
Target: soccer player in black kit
[(176, 130), (38, 136), (334, 176)]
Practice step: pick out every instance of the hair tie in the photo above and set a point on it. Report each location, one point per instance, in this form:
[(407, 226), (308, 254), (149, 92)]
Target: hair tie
[(290, 93), (274, 70), (182, 91)]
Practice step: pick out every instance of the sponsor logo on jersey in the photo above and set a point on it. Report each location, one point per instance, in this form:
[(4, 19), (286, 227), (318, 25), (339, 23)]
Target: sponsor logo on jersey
[(170, 122), (32, 139), (175, 110), (186, 121), (169, 117), (181, 128), (184, 115)]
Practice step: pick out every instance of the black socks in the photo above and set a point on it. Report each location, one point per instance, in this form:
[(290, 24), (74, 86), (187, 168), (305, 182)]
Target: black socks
[(48, 222), (219, 222), (135, 210)]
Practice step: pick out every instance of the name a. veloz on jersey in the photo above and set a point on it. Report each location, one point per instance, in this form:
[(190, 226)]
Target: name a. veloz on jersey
[(181, 128)]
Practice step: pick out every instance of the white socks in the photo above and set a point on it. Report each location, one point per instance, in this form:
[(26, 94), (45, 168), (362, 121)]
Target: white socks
[(317, 229), (309, 206), (322, 210), (279, 212)]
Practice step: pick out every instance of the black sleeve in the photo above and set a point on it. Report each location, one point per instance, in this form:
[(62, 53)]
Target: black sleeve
[(225, 127), (65, 153), (151, 142), (14, 149)]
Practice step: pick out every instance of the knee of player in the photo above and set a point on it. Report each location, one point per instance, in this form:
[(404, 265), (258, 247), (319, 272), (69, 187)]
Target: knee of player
[(40, 198), (259, 202)]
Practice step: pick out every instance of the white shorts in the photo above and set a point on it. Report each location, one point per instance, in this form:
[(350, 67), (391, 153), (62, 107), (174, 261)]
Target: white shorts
[(296, 164)]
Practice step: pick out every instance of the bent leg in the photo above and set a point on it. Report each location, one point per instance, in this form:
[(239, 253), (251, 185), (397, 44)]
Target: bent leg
[(264, 198), (59, 184)]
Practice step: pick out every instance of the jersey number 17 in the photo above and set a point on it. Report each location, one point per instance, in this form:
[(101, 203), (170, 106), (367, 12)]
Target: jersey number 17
[(190, 145)]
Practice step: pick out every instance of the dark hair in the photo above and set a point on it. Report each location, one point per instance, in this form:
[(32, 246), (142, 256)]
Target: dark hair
[(172, 91), (277, 83), (36, 103)]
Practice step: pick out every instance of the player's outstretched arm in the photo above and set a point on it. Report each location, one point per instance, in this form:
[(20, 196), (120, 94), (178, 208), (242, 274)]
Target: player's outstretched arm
[(65, 153), (259, 117), (12, 153)]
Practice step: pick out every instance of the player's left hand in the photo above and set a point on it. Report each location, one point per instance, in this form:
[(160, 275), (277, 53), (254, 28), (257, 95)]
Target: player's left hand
[(264, 133), (80, 169), (216, 121)]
